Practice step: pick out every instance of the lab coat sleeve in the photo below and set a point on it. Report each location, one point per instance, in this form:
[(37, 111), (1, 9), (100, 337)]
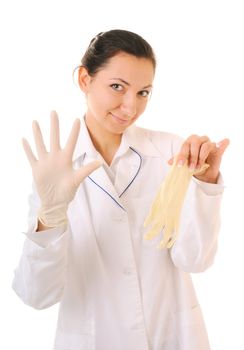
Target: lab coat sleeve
[(39, 278), (195, 248)]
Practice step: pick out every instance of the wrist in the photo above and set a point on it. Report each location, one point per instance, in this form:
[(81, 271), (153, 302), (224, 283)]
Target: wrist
[(53, 217), (41, 226), (208, 179)]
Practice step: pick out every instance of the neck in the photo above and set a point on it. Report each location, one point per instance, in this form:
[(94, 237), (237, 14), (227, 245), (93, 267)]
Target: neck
[(105, 142)]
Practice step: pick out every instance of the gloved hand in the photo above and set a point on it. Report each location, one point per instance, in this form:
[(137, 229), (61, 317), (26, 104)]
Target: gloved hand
[(56, 180)]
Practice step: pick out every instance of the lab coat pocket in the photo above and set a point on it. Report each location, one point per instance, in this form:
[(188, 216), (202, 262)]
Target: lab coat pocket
[(74, 341), (190, 329), (188, 316)]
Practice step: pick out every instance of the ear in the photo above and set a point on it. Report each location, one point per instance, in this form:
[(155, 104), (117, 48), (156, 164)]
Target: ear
[(84, 79)]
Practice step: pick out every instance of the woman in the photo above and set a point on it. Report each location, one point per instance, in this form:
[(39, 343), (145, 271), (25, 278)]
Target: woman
[(85, 247)]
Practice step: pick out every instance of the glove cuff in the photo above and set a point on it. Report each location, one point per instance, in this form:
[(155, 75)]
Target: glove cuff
[(53, 217)]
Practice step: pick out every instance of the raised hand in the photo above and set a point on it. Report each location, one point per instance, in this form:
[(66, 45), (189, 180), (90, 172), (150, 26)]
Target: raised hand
[(56, 180)]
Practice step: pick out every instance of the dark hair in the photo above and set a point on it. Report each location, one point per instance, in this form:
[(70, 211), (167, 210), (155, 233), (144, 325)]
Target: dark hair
[(107, 44)]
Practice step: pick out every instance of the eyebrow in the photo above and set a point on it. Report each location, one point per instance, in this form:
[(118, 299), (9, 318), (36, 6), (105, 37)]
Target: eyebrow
[(126, 83)]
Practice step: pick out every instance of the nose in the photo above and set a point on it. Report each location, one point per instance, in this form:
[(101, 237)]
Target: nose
[(129, 105)]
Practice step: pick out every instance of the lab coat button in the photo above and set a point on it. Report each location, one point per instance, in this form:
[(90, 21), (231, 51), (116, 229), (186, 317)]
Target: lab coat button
[(127, 271), (119, 217)]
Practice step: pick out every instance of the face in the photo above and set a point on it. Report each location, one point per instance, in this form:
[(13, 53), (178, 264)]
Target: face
[(118, 93)]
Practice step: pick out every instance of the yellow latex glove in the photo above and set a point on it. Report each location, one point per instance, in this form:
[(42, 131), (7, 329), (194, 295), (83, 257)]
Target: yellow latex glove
[(55, 179), (166, 208)]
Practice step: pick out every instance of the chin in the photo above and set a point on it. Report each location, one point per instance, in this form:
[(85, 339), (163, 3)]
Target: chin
[(118, 130)]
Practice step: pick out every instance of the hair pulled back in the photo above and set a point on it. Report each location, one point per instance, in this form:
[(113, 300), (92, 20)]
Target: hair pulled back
[(107, 44)]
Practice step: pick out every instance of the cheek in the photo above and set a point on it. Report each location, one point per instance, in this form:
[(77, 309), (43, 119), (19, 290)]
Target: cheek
[(94, 102), (141, 107), (103, 101)]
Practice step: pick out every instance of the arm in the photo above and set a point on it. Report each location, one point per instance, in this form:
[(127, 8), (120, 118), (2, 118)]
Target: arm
[(195, 248), (40, 277)]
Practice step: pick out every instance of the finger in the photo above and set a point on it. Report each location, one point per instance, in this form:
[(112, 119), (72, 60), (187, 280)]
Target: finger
[(205, 150), (83, 172), (183, 154), (28, 151), (196, 145), (54, 132), (222, 145), (40, 146), (71, 142)]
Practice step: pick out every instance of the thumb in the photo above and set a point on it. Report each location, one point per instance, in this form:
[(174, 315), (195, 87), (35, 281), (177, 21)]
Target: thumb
[(84, 171), (222, 145)]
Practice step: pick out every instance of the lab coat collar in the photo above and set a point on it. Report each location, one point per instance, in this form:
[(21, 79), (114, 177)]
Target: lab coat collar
[(124, 178), (134, 137), (135, 143), (84, 143)]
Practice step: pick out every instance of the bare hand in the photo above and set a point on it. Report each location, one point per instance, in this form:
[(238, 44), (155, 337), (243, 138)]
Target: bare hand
[(197, 150)]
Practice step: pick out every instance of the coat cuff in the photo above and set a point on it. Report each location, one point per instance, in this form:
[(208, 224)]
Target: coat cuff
[(46, 237), (210, 189)]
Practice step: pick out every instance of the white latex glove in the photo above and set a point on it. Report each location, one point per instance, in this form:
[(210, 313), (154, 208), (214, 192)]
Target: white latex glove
[(56, 180), (165, 212)]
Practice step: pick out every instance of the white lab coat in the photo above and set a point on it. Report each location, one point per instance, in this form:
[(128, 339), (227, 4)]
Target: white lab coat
[(116, 290)]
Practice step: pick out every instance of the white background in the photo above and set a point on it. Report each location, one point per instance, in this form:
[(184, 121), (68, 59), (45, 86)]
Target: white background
[(199, 88)]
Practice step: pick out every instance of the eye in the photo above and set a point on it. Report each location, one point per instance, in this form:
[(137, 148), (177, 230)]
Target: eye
[(144, 93), (117, 87)]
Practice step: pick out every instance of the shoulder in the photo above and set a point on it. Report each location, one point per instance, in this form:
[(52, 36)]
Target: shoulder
[(161, 140)]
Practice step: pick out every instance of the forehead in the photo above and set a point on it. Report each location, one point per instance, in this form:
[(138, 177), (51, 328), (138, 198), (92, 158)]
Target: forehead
[(130, 68)]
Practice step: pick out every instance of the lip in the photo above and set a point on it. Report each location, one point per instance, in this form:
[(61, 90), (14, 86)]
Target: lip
[(119, 120)]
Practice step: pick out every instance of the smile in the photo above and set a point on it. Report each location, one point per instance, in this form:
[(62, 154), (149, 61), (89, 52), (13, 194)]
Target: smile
[(119, 120)]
